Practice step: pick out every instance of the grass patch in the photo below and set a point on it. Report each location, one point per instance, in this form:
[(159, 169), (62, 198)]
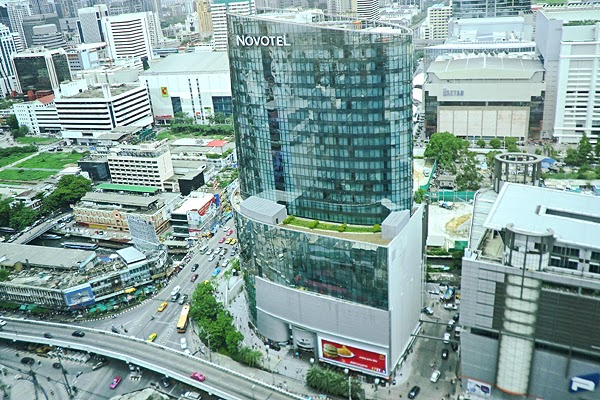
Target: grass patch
[(328, 226), (24, 175), (51, 161), (36, 140), (4, 161)]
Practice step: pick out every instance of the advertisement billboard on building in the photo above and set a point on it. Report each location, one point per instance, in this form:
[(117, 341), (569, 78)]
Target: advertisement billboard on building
[(352, 357), (79, 296), (479, 388)]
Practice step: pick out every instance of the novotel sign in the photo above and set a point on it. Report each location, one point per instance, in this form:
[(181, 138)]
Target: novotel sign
[(250, 41)]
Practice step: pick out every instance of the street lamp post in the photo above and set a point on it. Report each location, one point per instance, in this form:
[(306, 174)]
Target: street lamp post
[(347, 372)]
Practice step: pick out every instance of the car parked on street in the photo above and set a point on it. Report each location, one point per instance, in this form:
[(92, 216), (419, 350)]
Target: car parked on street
[(435, 376), (427, 310), (444, 354), (193, 278), (222, 239), (450, 306), (229, 232), (446, 338)]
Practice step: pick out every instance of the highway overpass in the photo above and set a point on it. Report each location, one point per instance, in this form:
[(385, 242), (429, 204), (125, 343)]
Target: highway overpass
[(220, 381)]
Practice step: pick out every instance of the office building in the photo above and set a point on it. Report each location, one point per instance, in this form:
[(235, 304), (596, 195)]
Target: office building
[(39, 115), (189, 218), (17, 10), (98, 109), (85, 56), (489, 8), (147, 164), (483, 97), (324, 134), (7, 48), (218, 16), (567, 39), (90, 25), (39, 69), (39, 7), (31, 21), (131, 35), (101, 210), (435, 26), (197, 84), (529, 293), (48, 37)]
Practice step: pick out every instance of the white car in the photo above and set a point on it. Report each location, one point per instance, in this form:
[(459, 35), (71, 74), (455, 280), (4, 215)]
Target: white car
[(183, 343), (226, 228), (450, 306), (446, 338), (211, 258), (435, 376), (2, 322)]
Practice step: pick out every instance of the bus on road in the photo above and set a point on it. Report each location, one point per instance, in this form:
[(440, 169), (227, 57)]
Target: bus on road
[(183, 319)]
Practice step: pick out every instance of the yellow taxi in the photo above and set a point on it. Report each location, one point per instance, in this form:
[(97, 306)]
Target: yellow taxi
[(233, 241), (162, 307), (228, 241), (151, 337)]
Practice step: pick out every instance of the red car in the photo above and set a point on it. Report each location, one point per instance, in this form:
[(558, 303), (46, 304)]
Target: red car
[(115, 382), (197, 376), (229, 232), (194, 277), (222, 239)]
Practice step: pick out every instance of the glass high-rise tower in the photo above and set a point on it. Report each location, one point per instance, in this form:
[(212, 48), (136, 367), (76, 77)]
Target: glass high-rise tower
[(323, 114), (322, 111)]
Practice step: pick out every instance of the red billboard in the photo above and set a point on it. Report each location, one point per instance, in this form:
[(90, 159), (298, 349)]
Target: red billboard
[(353, 357)]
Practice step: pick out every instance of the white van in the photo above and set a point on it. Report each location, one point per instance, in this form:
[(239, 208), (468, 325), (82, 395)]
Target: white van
[(203, 248), (192, 395), (183, 343)]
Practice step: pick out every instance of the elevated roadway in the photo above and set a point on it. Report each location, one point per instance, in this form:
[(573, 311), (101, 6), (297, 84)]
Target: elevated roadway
[(227, 384)]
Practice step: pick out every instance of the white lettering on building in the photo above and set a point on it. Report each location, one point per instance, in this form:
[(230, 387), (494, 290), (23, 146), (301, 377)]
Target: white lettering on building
[(453, 93), (249, 41)]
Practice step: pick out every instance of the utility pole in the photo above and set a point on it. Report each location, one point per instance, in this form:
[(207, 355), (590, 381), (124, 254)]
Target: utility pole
[(64, 373)]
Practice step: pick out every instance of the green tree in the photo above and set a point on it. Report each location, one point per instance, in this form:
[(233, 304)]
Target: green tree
[(5, 210), (495, 143), (329, 381), (480, 143), (511, 144), (489, 157), (181, 118), (585, 151), (217, 118), (469, 177), (12, 122), (445, 148), (420, 195), (233, 338), (20, 131), (4, 274), (69, 190), (21, 216)]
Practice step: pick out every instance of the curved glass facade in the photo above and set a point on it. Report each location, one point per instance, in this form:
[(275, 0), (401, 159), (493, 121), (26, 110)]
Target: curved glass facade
[(341, 268), (322, 113)]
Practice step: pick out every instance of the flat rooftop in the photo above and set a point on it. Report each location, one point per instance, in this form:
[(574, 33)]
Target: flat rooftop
[(467, 67), (97, 93), (574, 218), (47, 257), (190, 63), (193, 203), (122, 199), (127, 188)]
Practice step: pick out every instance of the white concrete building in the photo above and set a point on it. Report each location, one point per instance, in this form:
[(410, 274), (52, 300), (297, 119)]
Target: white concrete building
[(47, 36), (89, 23), (218, 14), (147, 164), (197, 84), (482, 97), (40, 115), (568, 38), (435, 26), (99, 109), (131, 35), (16, 10), (85, 56), (7, 47)]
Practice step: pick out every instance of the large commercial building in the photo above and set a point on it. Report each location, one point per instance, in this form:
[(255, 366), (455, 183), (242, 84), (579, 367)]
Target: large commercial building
[(96, 110), (31, 21), (482, 97), (197, 84), (567, 39), (489, 8), (147, 164), (40, 70), (218, 15), (530, 293), (322, 113), (48, 37), (7, 48), (66, 279)]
